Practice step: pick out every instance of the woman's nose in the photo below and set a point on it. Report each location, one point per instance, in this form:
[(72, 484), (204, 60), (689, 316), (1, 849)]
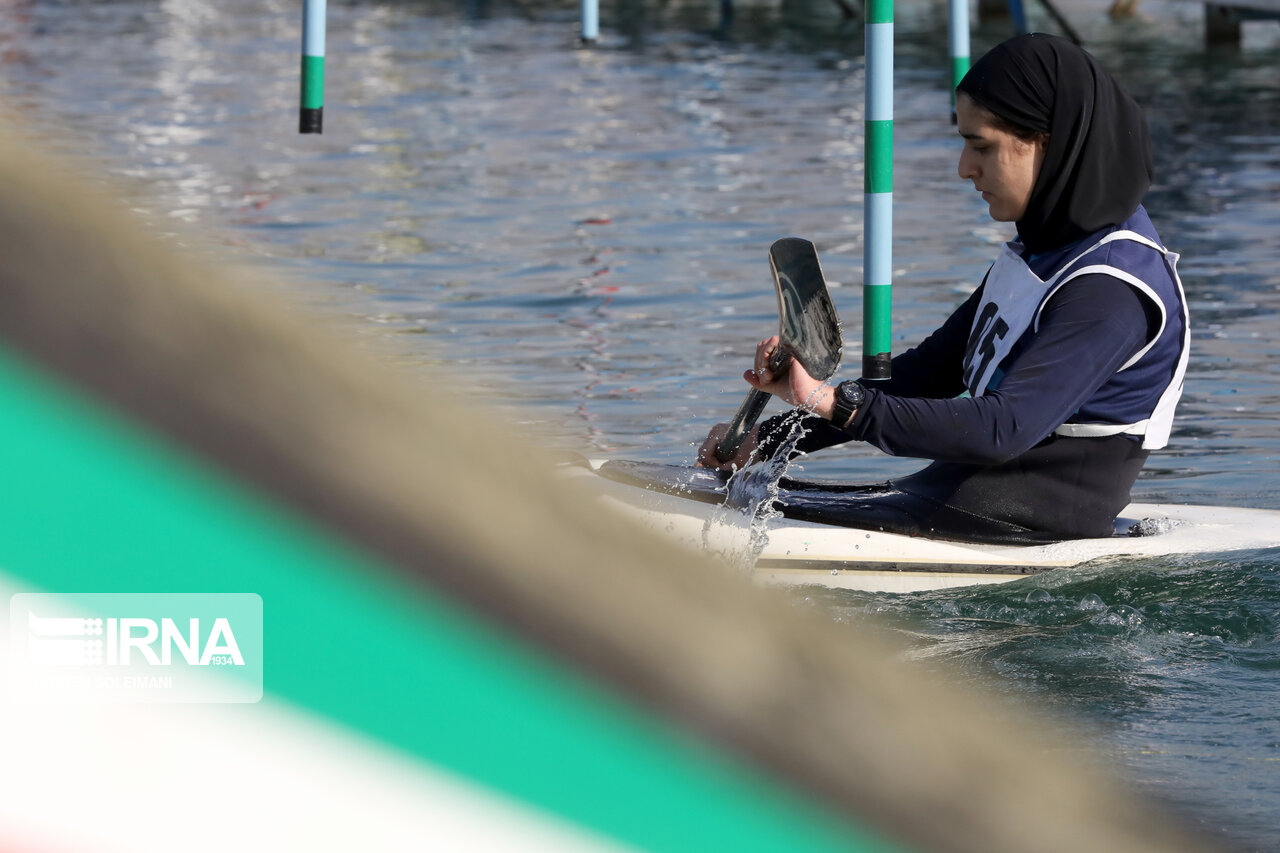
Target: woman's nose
[(965, 167)]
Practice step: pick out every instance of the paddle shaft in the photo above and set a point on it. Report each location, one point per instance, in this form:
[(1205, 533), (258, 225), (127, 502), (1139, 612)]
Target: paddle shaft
[(750, 410)]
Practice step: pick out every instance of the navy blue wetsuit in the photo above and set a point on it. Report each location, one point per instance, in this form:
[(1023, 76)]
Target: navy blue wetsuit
[(1000, 473)]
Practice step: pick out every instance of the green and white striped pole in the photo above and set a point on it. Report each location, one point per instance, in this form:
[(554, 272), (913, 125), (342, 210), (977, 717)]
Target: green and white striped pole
[(877, 257), (958, 32), (311, 113)]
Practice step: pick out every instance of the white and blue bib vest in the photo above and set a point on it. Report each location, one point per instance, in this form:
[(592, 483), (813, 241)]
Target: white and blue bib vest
[(1140, 397)]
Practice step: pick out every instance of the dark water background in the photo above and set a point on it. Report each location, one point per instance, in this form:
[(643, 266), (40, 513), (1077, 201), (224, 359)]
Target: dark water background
[(583, 232)]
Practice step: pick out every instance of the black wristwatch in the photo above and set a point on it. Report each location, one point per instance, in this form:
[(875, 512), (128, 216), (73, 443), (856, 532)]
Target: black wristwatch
[(848, 399)]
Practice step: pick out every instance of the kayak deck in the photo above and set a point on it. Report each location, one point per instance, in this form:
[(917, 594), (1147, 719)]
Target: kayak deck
[(686, 504)]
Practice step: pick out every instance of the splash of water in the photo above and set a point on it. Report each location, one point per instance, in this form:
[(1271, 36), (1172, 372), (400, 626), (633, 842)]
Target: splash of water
[(738, 529)]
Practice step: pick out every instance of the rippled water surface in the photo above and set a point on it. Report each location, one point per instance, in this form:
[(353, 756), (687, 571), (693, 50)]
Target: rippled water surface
[(584, 232), (1173, 665)]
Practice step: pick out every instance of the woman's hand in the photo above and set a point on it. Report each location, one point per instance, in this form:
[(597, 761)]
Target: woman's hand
[(741, 459), (796, 386)]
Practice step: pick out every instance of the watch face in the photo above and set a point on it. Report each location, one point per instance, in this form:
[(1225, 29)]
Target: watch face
[(850, 393), (848, 398)]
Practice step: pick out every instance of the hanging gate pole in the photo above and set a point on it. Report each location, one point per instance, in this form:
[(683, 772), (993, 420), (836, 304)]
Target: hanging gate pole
[(877, 264), (311, 112), (590, 21), (958, 36)]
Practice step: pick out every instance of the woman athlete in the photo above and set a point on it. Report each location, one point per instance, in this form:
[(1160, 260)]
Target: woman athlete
[(1041, 396)]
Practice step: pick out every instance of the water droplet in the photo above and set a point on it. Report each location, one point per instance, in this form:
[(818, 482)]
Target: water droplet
[(1092, 602), (1038, 596), (1128, 615)]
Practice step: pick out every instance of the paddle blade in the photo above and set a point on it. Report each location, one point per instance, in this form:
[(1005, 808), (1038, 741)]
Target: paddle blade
[(807, 321)]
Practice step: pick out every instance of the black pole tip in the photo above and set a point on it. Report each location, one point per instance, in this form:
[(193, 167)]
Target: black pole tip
[(877, 366), (311, 121)]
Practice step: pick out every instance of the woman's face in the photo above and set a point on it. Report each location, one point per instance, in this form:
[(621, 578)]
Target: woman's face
[(1002, 166)]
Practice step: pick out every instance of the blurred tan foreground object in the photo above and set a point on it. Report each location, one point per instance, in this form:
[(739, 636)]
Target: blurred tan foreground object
[(429, 485)]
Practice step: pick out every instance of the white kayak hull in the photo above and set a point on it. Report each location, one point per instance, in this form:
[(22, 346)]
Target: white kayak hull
[(799, 552)]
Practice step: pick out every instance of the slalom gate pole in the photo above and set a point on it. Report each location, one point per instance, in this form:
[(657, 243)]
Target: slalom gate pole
[(311, 111), (877, 264), (590, 21), (958, 36)]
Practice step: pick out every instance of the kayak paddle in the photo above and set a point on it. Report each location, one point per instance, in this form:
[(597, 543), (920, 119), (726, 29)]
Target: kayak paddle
[(807, 325)]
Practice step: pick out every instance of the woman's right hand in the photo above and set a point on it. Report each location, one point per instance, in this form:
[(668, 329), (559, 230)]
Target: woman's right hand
[(741, 459), (795, 387)]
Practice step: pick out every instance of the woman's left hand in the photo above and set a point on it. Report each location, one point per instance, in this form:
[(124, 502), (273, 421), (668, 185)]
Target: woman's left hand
[(796, 386), (746, 451)]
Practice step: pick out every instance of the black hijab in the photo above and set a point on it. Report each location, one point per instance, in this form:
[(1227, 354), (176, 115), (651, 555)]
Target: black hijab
[(1097, 165)]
